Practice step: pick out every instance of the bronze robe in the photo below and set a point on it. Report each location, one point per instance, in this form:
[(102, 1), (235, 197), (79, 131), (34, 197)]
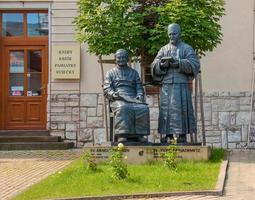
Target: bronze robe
[(131, 115), (176, 111)]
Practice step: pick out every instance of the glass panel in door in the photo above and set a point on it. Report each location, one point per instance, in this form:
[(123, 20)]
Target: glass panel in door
[(16, 73), (34, 72)]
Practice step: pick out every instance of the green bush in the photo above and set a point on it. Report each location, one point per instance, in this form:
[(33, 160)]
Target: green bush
[(90, 162), (217, 155), (170, 157), (119, 167)]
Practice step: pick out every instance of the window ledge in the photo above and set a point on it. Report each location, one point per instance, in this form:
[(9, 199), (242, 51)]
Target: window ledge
[(150, 90)]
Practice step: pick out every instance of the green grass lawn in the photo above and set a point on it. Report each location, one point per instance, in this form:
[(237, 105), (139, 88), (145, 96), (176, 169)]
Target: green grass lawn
[(76, 181)]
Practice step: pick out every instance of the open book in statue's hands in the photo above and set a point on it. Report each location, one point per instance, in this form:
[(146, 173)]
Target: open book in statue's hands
[(168, 58), (171, 61)]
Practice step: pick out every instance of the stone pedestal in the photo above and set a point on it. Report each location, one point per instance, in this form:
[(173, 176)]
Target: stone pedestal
[(142, 154)]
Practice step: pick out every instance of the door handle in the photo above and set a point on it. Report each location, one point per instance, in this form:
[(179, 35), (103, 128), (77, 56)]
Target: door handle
[(43, 89)]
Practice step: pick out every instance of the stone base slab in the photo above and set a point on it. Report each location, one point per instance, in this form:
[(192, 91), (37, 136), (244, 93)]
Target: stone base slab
[(142, 154)]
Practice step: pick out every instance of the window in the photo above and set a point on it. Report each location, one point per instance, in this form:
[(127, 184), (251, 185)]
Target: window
[(25, 76), (16, 75), (147, 78), (12, 24), (34, 72), (23, 24), (37, 24)]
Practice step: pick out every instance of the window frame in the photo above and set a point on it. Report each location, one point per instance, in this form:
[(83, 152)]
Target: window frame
[(25, 31)]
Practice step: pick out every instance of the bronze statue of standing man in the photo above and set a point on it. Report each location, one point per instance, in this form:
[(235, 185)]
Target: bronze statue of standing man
[(175, 65)]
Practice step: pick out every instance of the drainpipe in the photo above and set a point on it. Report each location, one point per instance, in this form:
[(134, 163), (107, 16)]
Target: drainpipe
[(253, 80)]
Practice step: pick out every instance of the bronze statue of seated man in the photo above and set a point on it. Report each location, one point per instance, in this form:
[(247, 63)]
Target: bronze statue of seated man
[(123, 87)]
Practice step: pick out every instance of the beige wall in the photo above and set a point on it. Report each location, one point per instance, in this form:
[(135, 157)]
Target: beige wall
[(62, 33), (63, 13), (229, 67), (91, 74)]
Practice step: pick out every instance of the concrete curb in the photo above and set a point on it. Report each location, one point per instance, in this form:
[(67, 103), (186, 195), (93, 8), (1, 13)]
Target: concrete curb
[(219, 189), (222, 177)]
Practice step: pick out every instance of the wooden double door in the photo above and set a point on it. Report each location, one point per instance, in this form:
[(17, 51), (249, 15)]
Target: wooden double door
[(24, 87)]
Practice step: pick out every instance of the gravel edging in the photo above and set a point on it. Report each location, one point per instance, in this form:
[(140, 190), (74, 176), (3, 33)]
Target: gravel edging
[(218, 191)]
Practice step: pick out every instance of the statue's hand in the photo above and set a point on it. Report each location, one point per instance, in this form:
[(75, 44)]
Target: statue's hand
[(140, 98), (115, 95), (174, 63), (164, 64)]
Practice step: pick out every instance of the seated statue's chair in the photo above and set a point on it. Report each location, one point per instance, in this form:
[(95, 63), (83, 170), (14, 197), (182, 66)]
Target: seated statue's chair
[(111, 123)]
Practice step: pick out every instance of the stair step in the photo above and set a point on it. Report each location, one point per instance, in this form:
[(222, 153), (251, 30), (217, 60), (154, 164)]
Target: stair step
[(13, 139), (24, 133), (31, 140), (36, 146)]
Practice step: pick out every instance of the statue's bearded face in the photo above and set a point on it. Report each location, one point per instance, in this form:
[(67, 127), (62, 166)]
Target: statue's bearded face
[(174, 34), (121, 59)]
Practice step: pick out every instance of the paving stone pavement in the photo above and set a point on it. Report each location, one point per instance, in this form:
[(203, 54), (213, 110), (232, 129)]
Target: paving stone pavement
[(21, 169)]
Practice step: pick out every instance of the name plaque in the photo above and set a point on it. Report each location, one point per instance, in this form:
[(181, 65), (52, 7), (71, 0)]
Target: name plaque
[(141, 154), (66, 62)]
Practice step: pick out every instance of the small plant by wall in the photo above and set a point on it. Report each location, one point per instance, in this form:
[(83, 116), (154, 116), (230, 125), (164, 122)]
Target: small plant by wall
[(118, 166), (90, 162), (170, 157)]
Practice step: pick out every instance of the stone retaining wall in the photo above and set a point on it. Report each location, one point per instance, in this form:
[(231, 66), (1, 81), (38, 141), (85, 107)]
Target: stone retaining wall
[(227, 117), (79, 118)]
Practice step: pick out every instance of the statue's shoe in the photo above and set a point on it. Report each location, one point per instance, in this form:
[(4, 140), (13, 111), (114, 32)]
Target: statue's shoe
[(142, 139), (167, 139), (182, 139), (122, 139)]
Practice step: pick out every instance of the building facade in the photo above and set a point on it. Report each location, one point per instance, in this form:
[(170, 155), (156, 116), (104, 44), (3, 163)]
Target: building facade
[(50, 82)]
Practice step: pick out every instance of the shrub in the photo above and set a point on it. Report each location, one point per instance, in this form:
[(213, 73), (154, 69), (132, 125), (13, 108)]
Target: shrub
[(90, 162), (170, 157), (119, 168)]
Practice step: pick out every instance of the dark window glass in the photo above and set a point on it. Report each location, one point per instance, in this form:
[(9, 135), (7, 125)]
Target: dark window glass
[(12, 24), (34, 84), (34, 61), (37, 24), (16, 84)]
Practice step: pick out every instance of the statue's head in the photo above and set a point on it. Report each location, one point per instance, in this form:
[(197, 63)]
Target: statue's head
[(174, 33), (121, 57)]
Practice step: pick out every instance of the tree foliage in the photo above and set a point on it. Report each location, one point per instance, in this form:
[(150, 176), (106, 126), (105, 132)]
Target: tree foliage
[(109, 25), (140, 25), (199, 21)]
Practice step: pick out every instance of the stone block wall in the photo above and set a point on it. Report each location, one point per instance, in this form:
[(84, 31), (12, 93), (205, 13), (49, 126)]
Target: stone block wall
[(64, 115), (79, 118), (227, 118)]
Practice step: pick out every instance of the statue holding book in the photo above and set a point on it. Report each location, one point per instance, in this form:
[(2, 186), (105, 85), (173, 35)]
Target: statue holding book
[(175, 65)]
